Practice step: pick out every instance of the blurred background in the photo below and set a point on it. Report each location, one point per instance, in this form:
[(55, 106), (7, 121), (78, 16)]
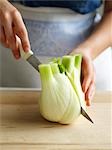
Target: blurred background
[(19, 74)]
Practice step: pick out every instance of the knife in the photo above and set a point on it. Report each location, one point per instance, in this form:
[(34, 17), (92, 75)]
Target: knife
[(35, 62), (84, 113), (30, 57)]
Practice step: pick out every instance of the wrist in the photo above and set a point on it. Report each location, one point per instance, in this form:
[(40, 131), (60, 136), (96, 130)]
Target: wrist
[(84, 50)]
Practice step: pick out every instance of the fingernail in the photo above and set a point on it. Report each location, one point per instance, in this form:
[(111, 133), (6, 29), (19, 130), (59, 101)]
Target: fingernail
[(84, 89), (17, 56), (88, 103), (26, 49)]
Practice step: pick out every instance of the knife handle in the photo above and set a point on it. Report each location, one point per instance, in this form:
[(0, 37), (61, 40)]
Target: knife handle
[(23, 54)]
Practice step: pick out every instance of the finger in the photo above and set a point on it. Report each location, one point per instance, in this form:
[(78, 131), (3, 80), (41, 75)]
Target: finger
[(87, 73), (86, 82), (10, 37), (20, 30), (90, 93), (15, 51), (7, 24), (2, 37)]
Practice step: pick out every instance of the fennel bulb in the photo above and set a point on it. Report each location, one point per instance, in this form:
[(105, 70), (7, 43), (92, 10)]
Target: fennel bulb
[(61, 96)]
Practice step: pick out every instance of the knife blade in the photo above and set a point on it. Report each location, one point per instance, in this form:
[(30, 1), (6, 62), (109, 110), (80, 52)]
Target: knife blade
[(84, 113), (29, 56), (34, 61)]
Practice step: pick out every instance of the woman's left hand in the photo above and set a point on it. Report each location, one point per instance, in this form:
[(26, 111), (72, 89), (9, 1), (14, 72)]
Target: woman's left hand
[(87, 77)]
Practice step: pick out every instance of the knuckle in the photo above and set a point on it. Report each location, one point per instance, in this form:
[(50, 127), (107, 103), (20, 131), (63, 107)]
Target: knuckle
[(25, 44), (21, 32), (7, 45), (15, 13), (10, 38), (11, 41), (6, 15)]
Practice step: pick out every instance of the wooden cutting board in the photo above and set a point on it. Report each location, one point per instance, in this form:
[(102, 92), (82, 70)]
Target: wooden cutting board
[(23, 128)]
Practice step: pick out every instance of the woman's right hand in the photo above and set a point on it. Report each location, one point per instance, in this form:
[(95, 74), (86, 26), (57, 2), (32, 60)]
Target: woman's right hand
[(11, 24)]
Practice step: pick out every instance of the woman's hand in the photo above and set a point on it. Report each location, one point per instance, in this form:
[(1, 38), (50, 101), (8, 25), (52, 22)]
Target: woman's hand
[(87, 76), (11, 24), (88, 79), (94, 45)]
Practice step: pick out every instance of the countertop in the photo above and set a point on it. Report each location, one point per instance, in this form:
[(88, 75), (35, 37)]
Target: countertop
[(23, 128)]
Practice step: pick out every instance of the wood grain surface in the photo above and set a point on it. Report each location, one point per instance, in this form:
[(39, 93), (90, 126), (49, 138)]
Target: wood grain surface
[(23, 128)]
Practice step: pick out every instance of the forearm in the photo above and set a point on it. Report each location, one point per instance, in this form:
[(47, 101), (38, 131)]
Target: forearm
[(100, 39)]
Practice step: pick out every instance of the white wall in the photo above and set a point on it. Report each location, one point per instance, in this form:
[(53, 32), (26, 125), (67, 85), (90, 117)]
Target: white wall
[(103, 69)]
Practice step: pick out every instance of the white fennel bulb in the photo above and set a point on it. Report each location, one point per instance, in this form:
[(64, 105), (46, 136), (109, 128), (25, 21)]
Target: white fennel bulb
[(60, 98)]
